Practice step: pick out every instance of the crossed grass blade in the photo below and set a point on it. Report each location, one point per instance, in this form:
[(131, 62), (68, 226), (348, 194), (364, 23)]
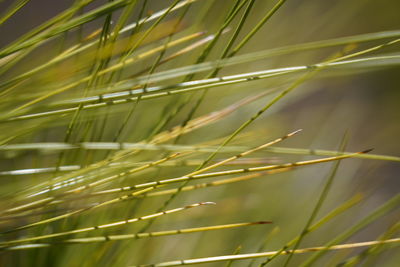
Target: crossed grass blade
[(269, 253)]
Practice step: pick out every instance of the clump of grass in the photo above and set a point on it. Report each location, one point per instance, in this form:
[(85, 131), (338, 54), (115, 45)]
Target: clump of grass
[(120, 118)]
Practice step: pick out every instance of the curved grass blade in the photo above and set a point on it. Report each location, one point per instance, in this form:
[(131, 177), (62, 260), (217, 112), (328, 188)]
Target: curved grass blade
[(160, 138), (78, 211), (228, 80), (269, 253), (294, 85), (139, 235), (236, 171), (205, 66), (201, 170), (103, 226), (171, 163), (85, 187), (153, 185), (108, 179), (180, 189)]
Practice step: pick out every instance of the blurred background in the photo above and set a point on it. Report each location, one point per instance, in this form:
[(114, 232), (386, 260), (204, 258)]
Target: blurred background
[(362, 103)]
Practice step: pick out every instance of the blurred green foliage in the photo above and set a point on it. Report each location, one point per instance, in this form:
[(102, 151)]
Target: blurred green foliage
[(63, 130)]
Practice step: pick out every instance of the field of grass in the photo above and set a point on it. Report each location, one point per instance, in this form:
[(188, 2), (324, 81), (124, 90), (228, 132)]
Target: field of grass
[(205, 132)]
